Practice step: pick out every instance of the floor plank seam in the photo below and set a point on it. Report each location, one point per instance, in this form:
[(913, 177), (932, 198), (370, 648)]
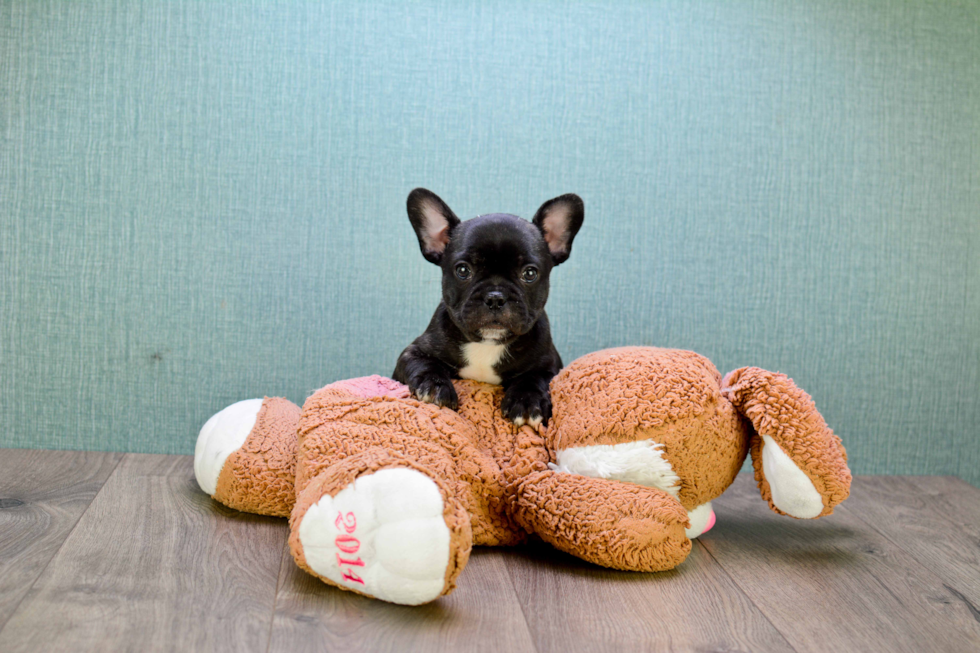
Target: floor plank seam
[(745, 594), (13, 613), (527, 624), (275, 598)]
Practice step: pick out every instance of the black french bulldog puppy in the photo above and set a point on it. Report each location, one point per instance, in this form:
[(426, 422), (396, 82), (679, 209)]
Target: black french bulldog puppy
[(491, 325)]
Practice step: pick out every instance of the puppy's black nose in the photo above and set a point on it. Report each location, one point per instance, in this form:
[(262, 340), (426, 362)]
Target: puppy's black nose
[(494, 300)]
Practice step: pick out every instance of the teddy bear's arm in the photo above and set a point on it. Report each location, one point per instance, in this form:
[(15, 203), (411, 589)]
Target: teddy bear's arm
[(610, 523), (800, 464)]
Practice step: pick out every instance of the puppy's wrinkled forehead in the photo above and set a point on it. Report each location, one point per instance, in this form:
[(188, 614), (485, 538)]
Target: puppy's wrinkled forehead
[(498, 237)]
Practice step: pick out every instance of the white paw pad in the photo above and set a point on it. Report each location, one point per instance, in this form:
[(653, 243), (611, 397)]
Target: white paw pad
[(792, 490), (383, 535), (221, 436)]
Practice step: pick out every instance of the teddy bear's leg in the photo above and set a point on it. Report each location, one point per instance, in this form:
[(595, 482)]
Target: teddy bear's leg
[(800, 464), (381, 525), (245, 456), (611, 523)]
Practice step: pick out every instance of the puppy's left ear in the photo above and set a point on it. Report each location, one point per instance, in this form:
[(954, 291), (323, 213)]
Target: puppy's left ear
[(559, 219)]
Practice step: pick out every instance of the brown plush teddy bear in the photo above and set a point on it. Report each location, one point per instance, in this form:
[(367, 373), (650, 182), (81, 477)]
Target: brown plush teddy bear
[(386, 495)]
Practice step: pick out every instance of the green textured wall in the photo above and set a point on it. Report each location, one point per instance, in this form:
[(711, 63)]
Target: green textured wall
[(204, 201)]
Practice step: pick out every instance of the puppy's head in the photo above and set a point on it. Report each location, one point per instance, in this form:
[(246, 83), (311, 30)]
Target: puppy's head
[(496, 267)]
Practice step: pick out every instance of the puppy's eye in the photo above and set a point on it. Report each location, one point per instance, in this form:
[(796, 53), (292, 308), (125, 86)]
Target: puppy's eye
[(530, 274), (463, 271)]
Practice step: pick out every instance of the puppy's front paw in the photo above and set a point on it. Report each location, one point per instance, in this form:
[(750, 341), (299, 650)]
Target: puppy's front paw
[(526, 406), (440, 392)]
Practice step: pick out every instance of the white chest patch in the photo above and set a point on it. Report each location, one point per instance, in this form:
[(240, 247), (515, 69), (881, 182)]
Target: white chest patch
[(641, 462), (480, 357)]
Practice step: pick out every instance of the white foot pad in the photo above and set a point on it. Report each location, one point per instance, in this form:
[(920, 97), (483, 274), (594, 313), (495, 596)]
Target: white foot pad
[(792, 491), (702, 520), (221, 436), (383, 535)]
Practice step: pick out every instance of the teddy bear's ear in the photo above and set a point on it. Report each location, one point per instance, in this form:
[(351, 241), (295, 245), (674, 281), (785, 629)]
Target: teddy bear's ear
[(433, 222), (559, 219)]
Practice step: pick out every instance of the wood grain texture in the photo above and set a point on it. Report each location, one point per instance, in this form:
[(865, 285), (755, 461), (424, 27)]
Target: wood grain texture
[(42, 496), (935, 519), (482, 614), (571, 605), (104, 551), (154, 565), (835, 583)]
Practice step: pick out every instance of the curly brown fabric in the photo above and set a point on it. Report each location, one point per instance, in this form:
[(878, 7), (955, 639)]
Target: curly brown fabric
[(666, 395), (778, 408), (260, 477), (517, 450), (336, 425), (627, 390), (613, 524), (495, 478)]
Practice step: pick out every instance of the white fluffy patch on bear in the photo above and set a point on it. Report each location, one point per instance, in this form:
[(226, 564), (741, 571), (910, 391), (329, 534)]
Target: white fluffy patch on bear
[(641, 462), (792, 490), (383, 535), (221, 436), (699, 518), (480, 358)]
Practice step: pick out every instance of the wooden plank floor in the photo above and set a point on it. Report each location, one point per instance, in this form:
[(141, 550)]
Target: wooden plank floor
[(112, 552)]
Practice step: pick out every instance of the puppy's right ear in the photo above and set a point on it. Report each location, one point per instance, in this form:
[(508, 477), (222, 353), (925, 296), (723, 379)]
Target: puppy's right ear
[(433, 222)]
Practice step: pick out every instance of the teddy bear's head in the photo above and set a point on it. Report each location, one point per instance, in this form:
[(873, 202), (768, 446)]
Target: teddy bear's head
[(650, 416)]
